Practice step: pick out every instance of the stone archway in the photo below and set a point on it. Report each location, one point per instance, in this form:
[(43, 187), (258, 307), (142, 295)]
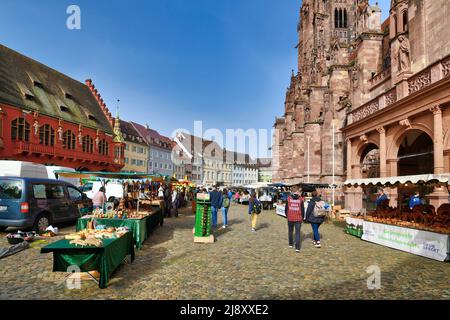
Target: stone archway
[(394, 145), (415, 153)]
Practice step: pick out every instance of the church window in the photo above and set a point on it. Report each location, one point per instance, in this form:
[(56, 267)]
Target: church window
[(405, 20)]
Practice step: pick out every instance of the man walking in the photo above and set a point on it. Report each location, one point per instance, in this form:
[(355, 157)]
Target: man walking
[(216, 203), (295, 211)]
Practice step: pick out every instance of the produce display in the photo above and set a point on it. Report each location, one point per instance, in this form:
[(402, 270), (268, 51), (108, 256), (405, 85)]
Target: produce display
[(125, 210), (94, 237), (421, 217)]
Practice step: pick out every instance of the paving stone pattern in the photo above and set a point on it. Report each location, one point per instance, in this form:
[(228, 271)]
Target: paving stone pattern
[(239, 265)]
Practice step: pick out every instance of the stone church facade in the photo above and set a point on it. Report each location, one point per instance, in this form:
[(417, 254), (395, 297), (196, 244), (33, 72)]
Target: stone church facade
[(382, 89)]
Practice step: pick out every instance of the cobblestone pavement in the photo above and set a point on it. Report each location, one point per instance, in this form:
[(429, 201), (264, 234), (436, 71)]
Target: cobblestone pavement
[(239, 265)]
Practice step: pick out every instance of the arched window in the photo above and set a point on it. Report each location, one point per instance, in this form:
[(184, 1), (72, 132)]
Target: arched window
[(103, 148), (340, 19), (395, 25), (69, 140), (345, 18), (20, 130), (88, 144), (47, 135), (336, 18), (405, 20)]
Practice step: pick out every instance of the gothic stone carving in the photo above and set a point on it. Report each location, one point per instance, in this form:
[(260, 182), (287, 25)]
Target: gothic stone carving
[(404, 51), (405, 123), (446, 67), (391, 97), (366, 110), (419, 82)]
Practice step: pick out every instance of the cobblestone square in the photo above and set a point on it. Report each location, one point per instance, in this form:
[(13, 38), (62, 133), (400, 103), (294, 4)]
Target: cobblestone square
[(239, 265)]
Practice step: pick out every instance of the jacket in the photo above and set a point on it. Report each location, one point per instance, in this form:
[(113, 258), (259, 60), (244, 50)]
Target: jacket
[(310, 211), (294, 216), (216, 199), (414, 201)]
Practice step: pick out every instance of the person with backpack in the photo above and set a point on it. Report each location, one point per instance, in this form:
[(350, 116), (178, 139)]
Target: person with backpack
[(216, 204), (254, 209), (315, 216), (225, 207), (295, 210)]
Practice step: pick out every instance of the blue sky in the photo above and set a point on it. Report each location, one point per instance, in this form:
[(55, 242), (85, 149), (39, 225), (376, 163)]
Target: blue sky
[(170, 62)]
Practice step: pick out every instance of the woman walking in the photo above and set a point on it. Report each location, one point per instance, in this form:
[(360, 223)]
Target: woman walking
[(315, 221), (225, 207), (254, 209)]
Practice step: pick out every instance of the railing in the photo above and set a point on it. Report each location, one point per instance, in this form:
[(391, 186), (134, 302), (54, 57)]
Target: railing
[(33, 148), (380, 77)]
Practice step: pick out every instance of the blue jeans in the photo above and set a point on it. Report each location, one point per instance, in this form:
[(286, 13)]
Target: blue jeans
[(297, 226), (214, 216), (315, 228), (225, 216)]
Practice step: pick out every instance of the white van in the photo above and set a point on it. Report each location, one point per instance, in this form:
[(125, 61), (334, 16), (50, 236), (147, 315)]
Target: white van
[(51, 174), (113, 189), (23, 169)]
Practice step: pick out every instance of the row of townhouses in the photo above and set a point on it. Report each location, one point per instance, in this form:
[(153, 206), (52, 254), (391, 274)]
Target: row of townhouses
[(206, 163)]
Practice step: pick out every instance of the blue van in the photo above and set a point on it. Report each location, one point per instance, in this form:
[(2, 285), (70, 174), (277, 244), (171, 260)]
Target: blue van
[(38, 203)]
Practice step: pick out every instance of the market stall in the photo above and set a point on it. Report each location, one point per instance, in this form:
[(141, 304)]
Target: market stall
[(92, 250), (139, 210), (421, 229)]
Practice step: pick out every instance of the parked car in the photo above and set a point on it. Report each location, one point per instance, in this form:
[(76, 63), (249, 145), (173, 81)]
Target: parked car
[(37, 203)]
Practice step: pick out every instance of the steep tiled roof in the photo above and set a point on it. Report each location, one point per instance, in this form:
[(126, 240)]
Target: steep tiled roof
[(152, 137), (130, 133), (28, 84)]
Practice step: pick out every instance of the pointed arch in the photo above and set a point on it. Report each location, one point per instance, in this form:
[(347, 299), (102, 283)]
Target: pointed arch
[(345, 18), (336, 18), (340, 18)]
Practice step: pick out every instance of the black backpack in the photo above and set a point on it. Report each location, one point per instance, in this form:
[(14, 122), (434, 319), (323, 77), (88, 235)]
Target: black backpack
[(257, 208)]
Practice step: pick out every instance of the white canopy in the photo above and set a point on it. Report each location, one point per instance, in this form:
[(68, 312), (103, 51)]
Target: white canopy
[(421, 178)]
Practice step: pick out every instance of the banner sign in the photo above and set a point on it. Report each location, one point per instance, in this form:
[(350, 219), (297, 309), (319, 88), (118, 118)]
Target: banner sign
[(423, 243), (280, 210)]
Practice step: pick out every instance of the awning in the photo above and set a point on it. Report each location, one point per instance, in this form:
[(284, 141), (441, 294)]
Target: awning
[(108, 175), (386, 181)]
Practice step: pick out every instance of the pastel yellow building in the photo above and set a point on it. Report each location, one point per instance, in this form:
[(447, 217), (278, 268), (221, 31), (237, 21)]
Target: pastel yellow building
[(136, 149)]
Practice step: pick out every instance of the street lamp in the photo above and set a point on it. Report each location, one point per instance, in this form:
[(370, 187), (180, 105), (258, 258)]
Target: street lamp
[(333, 122), (308, 138)]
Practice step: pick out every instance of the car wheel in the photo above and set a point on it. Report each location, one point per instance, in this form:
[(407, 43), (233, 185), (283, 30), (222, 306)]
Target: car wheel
[(41, 223)]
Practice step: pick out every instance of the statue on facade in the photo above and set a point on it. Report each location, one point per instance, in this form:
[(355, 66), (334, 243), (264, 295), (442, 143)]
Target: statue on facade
[(404, 50)]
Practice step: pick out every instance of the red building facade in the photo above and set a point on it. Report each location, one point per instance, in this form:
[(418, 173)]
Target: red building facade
[(49, 118)]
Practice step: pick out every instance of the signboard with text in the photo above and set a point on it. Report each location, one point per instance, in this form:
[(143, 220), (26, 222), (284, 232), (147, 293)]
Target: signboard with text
[(424, 243), (280, 210)]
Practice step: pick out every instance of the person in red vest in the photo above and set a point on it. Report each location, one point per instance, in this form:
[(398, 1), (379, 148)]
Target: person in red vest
[(295, 211)]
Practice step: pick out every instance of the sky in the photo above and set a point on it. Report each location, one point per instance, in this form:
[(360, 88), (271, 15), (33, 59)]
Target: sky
[(170, 62)]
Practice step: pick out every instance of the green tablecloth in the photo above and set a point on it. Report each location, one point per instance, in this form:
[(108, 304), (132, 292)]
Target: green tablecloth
[(139, 228), (104, 260)]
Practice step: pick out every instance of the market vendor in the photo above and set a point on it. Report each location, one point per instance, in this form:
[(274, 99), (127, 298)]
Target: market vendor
[(415, 200), (381, 197), (99, 198)]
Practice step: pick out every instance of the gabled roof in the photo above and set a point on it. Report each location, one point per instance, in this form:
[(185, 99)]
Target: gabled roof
[(152, 137), (128, 132), (28, 84)]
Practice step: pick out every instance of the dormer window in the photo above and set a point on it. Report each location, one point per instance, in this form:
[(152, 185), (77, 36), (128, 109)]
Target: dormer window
[(68, 96), (29, 97), (91, 117), (64, 109), (38, 84)]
